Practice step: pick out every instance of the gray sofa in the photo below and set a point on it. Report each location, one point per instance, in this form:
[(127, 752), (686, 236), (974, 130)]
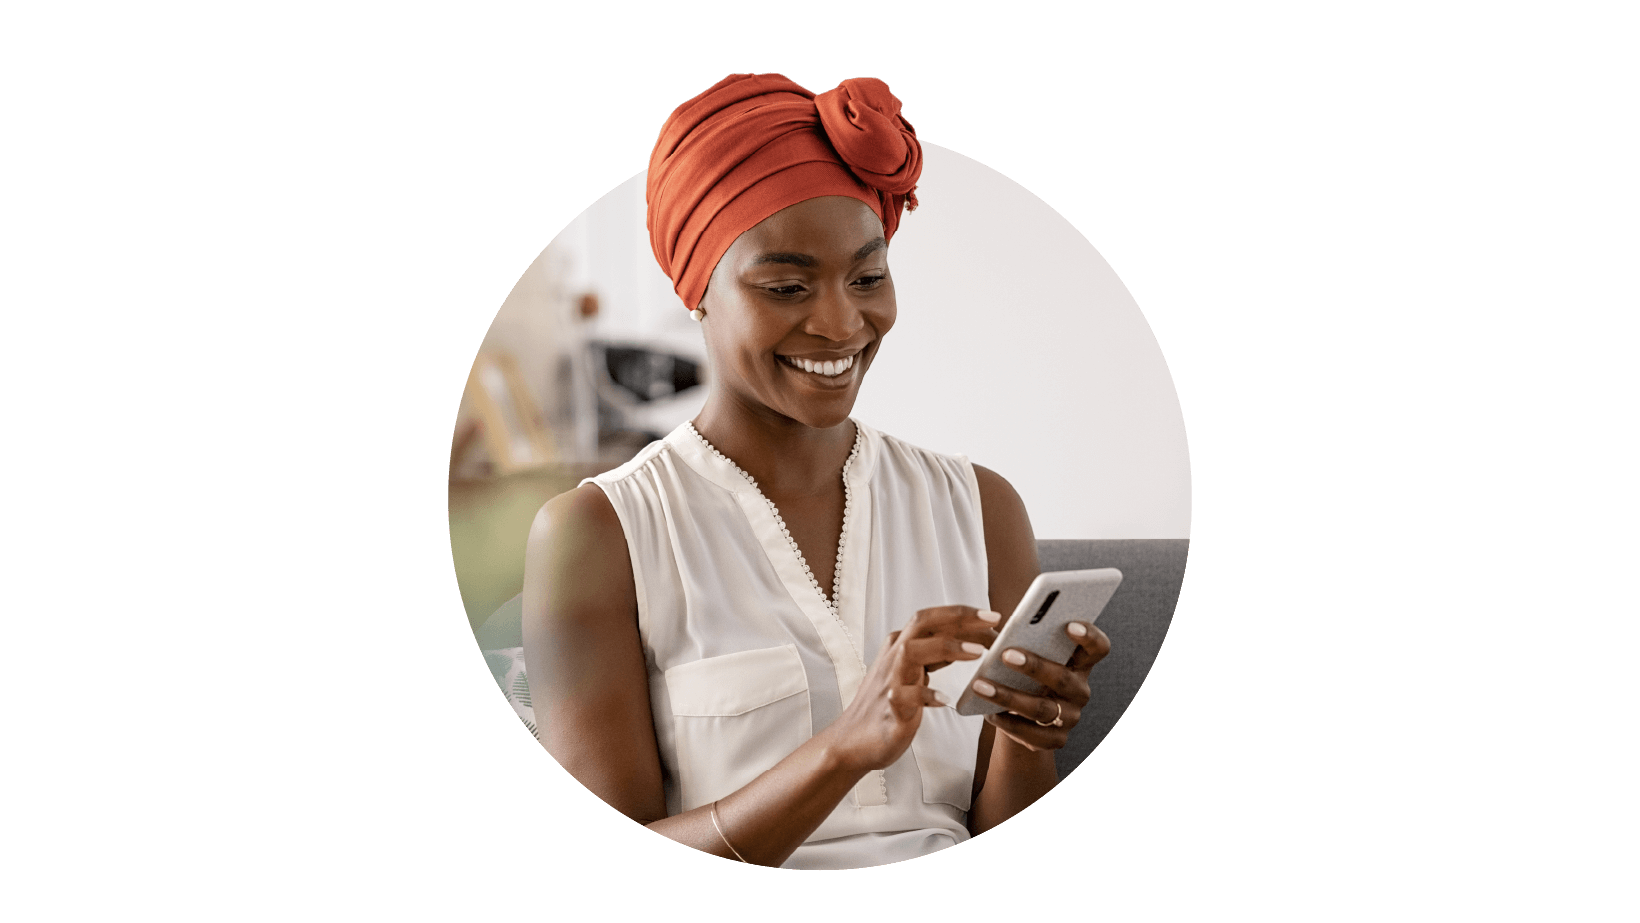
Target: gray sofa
[(1136, 620)]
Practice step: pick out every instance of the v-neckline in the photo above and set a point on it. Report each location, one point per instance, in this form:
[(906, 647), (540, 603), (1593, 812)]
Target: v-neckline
[(840, 617), (839, 570)]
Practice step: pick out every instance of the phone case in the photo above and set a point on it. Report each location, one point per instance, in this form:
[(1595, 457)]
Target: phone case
[(1037, 625)]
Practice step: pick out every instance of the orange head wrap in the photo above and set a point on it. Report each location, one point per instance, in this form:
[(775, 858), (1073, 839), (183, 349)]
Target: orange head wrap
[(756, 143)]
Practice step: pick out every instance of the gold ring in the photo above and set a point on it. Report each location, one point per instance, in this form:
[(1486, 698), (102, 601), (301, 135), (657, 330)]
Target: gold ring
[(1058, 718)]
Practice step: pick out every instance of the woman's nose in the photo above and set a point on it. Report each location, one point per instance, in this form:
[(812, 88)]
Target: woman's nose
[(835, 316)]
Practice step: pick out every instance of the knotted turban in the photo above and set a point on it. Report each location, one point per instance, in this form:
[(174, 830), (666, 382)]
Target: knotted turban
[(754, 144)]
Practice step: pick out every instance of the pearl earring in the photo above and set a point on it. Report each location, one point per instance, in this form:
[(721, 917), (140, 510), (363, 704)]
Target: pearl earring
[(697, 314)]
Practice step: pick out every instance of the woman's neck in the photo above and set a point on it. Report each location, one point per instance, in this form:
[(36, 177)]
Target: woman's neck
[(787, 457)]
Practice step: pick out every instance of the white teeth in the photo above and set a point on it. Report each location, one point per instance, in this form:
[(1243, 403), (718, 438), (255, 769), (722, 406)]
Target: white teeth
[(829, 369)]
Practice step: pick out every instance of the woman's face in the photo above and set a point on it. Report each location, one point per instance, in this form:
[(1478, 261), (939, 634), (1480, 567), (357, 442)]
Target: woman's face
[(796, 309)]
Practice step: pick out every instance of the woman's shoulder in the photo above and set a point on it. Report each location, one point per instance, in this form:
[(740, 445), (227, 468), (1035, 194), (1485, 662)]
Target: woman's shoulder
[(631, 467), (894, 451), (577, 550), (1001, 502), (581, 517), (989, 482), (627, 489), (577, 544), (990, 489)]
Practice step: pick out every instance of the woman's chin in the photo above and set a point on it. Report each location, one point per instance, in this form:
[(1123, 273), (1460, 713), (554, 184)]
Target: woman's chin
[(820, 403), (823, 415)]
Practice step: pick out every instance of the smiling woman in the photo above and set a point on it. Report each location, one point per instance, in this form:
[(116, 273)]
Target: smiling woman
[(798, 306), (685, 659)]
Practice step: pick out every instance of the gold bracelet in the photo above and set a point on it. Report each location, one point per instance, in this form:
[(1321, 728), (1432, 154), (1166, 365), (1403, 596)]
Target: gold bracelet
[(719, 828)]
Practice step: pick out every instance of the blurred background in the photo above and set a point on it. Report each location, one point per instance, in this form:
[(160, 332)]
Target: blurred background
[(1015, 344)]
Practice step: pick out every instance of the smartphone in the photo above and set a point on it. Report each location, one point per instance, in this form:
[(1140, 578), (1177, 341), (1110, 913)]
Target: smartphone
[(1037, 625)]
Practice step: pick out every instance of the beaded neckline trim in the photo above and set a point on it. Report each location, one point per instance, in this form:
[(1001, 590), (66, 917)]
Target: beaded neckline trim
[(842, 537)]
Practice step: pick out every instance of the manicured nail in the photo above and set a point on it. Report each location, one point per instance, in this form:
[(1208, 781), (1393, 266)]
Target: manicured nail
[(989, 616), (940, 697), (1015, 658), (1077, 630), (984, 688), (973, 648)]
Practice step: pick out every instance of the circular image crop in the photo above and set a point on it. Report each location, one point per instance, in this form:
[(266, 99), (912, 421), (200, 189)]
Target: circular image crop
[(749, 572)]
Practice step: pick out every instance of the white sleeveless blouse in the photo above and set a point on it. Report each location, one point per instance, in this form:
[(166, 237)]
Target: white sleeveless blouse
[(746, 657)]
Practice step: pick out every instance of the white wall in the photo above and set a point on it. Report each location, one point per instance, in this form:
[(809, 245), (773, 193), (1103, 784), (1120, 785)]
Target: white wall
[(635, 298), (1016, 345)]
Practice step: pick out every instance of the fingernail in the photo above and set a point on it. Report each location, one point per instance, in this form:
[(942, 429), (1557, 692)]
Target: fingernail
[(1077, 629), (973, 648), (940, 697), (989, 616), (984, 688), (1015, 658)]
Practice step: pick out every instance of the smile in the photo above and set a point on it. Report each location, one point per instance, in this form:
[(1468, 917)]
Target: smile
[(830, 369)]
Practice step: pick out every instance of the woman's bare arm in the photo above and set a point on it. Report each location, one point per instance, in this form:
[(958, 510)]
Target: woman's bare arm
[(588, 682), (1008, 777), (590, 689)]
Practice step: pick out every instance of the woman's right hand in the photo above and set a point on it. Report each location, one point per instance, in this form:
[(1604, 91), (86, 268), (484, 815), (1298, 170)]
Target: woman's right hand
[(878, 724)]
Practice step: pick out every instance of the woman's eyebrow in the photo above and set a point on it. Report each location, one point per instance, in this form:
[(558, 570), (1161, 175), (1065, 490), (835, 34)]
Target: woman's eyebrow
[(870, 248), (795, 259), (808, 262)]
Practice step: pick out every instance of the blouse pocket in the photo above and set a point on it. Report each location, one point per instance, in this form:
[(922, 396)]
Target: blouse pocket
[(734, 717), (945, 748)]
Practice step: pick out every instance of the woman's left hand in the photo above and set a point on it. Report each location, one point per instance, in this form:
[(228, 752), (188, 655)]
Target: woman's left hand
[(1044, 722)]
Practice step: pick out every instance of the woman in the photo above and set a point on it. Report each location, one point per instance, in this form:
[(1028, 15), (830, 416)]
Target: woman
[(686, 660)]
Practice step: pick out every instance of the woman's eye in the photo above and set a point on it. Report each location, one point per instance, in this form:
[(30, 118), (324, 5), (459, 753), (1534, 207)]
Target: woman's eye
[(794, 289)]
